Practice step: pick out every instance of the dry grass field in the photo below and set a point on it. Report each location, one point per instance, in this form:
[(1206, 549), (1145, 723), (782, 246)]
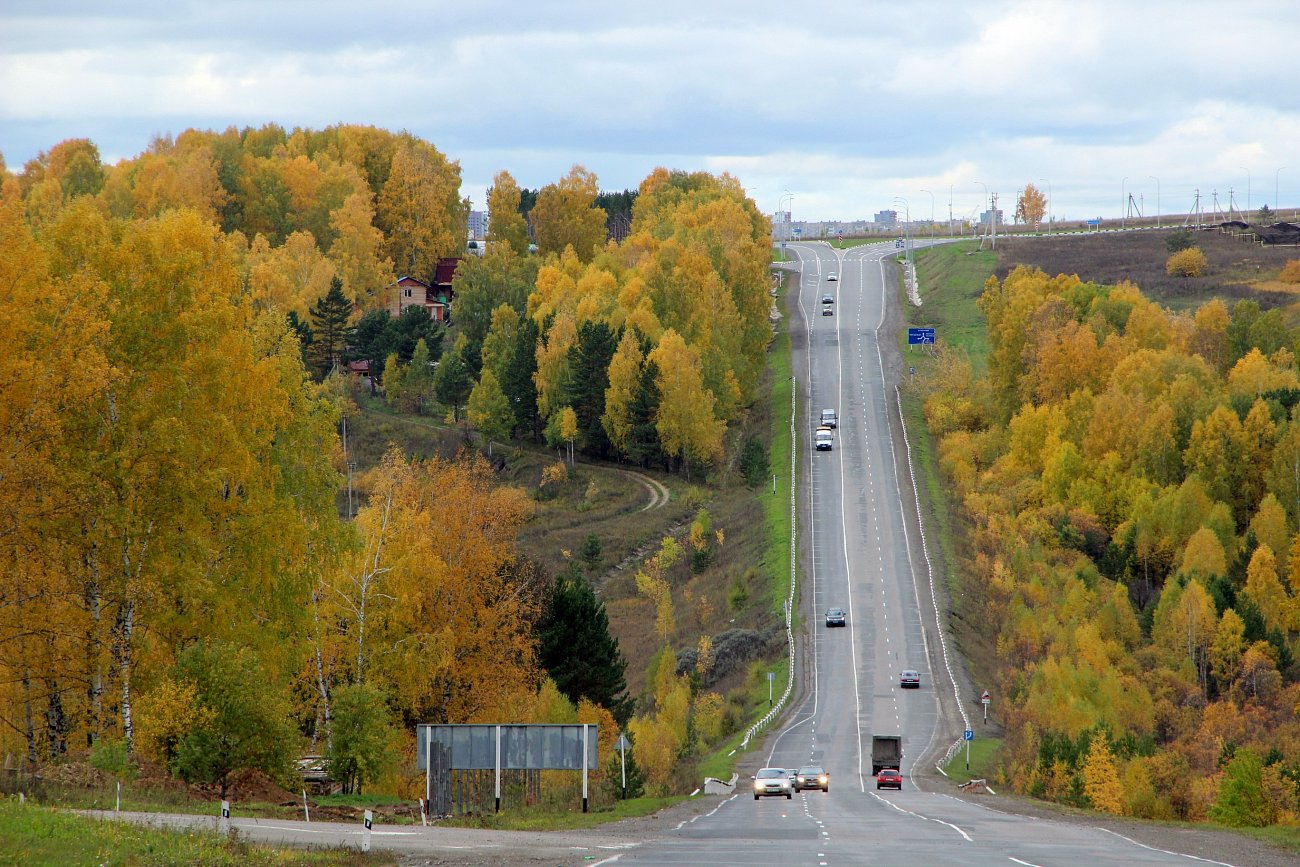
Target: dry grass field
[(1237, 269)]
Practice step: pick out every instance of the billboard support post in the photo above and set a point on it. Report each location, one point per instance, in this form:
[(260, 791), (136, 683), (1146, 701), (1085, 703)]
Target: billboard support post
[(584, 767)]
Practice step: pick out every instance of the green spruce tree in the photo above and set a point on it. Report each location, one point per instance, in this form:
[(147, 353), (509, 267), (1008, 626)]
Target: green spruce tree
[(578, 651), (330, 331)]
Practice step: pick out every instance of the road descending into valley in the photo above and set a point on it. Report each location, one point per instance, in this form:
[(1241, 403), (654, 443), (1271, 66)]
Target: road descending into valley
[(862, 552)]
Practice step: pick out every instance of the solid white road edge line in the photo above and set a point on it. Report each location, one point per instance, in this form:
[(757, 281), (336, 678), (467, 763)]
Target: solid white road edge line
[(919, 816), (1165, 851)]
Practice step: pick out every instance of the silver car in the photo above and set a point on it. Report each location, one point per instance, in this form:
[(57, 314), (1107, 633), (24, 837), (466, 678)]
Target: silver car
[(772, 781)]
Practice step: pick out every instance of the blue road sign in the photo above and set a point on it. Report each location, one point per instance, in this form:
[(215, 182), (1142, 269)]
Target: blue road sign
[(1096, 222), (968, 735), (920, 335)]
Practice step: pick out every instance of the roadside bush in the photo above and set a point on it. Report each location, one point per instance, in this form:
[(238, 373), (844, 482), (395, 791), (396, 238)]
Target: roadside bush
[(246, 724), (754, 461), (1179, 241), (590, 552), (1290, 272), (110, 755), (1241, 802), (363, 737), (1186, 263)]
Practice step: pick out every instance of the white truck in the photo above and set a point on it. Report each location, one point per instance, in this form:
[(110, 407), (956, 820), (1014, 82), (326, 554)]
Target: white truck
[(824, 439)]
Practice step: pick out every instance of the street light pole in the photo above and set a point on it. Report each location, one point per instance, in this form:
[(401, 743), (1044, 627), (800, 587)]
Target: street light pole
[(785, 216), (907, 224), (1123, 204), (950, 209), (986, 191), (1157, 180)]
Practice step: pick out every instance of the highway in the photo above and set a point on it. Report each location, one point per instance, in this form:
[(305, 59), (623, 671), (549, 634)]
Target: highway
[(863, 556)]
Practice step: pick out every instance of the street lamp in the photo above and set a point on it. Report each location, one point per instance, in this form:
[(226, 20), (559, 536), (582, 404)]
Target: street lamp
[(1049, 204), (785, 216), (1123, 203), (931, 209), (986, 192), (907, 232), (1247, 171), (1157, 180)]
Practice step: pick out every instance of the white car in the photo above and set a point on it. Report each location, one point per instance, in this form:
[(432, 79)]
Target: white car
[(828, 418), (832, 277), (773, 781)]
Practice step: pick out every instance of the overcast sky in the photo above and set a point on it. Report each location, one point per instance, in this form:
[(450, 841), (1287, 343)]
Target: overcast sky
[(845, 105)]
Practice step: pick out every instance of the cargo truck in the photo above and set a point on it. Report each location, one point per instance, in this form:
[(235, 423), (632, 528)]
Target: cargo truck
[(886, 752)]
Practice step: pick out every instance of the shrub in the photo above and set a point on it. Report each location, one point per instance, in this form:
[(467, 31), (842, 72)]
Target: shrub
[(1186, 263), (1290, 272), (1179, 241), (590, 552), (110, 755), (362, 739), (754, 460), (1241, 801)]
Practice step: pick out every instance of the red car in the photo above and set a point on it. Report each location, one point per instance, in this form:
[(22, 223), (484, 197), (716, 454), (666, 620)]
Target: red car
[(889, 778)]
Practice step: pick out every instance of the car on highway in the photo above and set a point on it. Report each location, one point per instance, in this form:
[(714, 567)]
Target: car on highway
[(772, 781), (828, 299), (824, 439), (812, 777), (889, 778), (909, 679), (828, 310), (834, 617), (829, 419), (832, 277)]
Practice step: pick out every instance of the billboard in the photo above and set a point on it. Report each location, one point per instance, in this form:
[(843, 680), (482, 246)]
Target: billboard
[(474, 747)]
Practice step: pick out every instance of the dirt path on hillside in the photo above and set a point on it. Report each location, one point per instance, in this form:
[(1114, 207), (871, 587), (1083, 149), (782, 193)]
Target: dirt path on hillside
[(658, 490)]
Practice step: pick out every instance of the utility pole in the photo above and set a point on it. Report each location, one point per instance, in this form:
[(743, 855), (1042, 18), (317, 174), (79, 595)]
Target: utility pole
[(993, 221)]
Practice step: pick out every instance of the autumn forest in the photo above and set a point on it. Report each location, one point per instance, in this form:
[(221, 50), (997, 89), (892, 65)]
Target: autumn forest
[(177, 580), (1130, 481)]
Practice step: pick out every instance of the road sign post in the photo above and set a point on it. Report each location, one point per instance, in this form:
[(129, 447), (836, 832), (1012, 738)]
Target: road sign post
[(968, 736), (984, 700), (917, 336), (622, 746)]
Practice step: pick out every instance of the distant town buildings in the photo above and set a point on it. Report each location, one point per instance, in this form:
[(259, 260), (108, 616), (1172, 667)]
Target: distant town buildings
[(478, 225)]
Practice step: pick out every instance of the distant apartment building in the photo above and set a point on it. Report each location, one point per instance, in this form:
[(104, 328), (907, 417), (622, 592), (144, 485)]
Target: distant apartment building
[(987, 216), (478, 225), (886, 219)]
